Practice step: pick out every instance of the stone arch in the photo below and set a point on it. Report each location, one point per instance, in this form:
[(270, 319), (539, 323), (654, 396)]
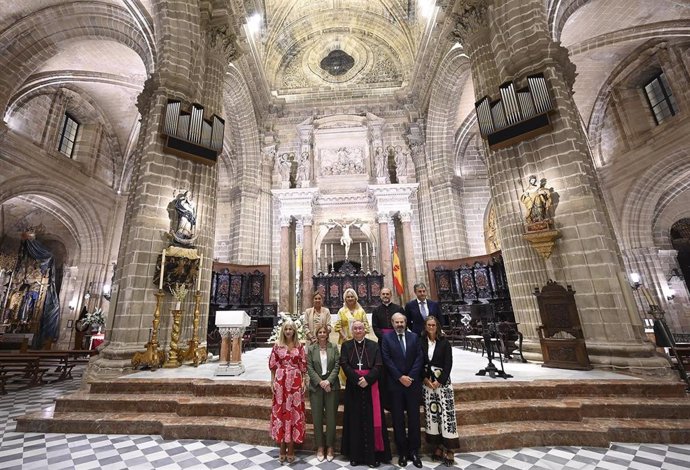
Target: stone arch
[(443, 103), (558, 12), (116, 161), (242, 121), (653, 190), (636, 60), (672, 206), (77, 214), (28, 46), (466, 136)]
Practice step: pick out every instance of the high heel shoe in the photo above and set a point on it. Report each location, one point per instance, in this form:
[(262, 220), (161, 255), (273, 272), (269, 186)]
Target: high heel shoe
[(290, 458), (329, 454), (449, 459), (282, 457), (319, 455)]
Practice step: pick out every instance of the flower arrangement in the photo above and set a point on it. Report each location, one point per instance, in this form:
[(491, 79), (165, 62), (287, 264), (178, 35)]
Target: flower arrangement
[(298, 320), (96, 317), (179, 292)]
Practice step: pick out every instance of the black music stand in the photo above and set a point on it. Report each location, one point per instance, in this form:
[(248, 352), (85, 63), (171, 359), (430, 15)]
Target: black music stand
[(485, 313)]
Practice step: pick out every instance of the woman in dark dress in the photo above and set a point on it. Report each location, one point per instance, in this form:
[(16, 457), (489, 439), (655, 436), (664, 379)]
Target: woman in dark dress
[(439, 403)]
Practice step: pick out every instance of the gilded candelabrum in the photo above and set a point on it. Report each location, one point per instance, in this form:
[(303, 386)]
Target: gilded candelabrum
[(194, 353), (152, 357), (179, 292)]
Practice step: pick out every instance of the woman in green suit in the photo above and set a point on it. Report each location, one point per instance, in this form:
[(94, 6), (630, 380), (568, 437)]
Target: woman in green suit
[(323, 368)]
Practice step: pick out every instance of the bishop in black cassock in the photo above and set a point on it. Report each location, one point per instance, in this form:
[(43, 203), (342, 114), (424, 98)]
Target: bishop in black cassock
[(365, 437)]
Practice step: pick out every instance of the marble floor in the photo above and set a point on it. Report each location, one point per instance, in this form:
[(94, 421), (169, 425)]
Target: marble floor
[(94, 451)]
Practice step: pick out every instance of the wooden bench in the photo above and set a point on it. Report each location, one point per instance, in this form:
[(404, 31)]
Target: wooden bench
[(35, 364), (63, 361), (20, 366)]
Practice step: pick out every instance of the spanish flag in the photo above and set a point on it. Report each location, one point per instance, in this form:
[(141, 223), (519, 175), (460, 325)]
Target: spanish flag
[(397, 271)]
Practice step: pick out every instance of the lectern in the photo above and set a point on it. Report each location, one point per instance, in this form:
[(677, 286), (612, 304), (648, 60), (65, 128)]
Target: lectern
[(231, 325)]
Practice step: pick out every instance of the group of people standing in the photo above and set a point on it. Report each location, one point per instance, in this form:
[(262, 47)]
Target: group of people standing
[(409, 365)]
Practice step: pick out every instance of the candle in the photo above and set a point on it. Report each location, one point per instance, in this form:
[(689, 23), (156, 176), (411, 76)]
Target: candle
[(367, 247), (360, 250), (198, 274), (177, 305), (160, 284)]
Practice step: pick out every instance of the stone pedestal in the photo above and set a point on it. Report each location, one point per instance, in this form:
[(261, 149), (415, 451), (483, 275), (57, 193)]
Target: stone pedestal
[(231, 325)]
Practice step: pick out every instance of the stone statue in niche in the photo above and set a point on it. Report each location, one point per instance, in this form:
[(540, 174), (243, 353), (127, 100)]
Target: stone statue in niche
[(400, 164), (381, 162), (284, 168), (538, 201), (304, 169), (182, 213)]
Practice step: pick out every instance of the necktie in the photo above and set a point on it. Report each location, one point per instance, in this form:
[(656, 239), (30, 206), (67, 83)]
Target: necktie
[(401, 338), (422, 310)]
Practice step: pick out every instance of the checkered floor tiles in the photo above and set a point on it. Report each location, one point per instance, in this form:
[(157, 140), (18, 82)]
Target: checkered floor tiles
[(91, 451)]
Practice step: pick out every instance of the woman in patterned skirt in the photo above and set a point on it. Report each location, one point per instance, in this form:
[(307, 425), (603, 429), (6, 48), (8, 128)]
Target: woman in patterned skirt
[(439, 403), (288, 364)]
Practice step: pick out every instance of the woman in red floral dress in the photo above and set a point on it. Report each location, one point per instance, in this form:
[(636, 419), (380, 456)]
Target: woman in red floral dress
[(288, 364)]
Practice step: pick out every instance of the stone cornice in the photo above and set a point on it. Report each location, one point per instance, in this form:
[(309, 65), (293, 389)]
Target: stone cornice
[(347, 199), (392, 198), (296, 203)]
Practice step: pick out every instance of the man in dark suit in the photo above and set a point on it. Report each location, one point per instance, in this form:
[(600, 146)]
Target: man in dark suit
[(418, 309), (402, 356)]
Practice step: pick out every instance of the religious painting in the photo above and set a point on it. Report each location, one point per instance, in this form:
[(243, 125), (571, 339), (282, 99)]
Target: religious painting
[(178, 270)]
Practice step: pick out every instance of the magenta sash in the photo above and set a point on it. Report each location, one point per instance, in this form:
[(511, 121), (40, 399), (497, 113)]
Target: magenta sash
[(378, 434)]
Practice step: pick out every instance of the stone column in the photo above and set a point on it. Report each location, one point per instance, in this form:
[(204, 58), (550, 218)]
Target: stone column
[(408, 245), (307, 263), (284, 295), (224, 355), (587, 256), (384, 219), (156, 175)]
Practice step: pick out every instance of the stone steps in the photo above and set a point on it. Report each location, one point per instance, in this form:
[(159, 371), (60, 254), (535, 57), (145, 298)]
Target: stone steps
[(491, 415), (571, 409), (589, 432)]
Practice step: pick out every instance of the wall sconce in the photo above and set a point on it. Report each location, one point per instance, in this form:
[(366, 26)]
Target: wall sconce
[(72, 304), (635, 281)]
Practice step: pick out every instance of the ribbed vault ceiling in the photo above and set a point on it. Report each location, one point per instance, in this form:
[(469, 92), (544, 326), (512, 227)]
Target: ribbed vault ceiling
[(299, 34)]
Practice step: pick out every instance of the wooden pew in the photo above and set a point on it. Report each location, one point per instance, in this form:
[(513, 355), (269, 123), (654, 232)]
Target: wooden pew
[(37, 363), (20, 366)]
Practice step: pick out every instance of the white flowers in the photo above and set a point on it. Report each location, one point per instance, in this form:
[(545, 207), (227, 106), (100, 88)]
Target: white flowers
[(297, 319), (95, 318)]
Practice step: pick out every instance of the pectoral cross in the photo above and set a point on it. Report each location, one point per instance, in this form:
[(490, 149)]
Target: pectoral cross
[(359, 365)]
